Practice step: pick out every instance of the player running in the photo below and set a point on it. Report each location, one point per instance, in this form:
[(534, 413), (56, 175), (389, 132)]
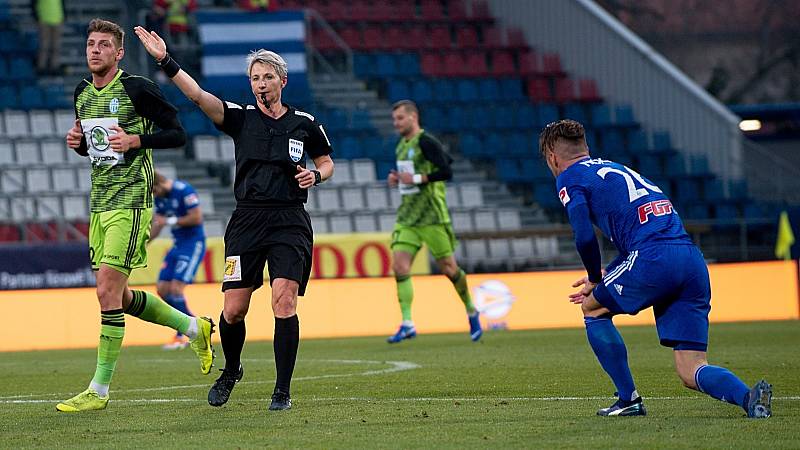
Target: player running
[(117, 115), (178, 206), (658, 266)]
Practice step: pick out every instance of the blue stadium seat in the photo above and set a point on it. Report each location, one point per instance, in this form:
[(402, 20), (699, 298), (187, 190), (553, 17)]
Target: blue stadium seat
[(349, 148), (363, 65), (600, 115), (637, 141), (526, 116), (336, 120), (444, 90), (687, 190), (675, 166), (360, 120), (511, 89), (494, 145), (726, 212), (8, 97), (385, 65), (408, 64), (548, 113), (56, 98), (699, 166), (623, 116), (695, 211), (611, 141), (21, 69), (30, 97), (397, 90), (575, 111), (434, 117), (193, 121), (509, 170), (382, 168), (422, 91), (489, 88), (649, 165), (470, 145), (372, 146), (662, 183), (4, 75), (713, 190), (504, 117), (661, 142), (467, 90), (546, 196), (518, 144), (591, 140)]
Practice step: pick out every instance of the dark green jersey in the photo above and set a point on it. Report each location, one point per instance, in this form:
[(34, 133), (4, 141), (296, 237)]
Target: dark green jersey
[(135, 104), (423, 204)]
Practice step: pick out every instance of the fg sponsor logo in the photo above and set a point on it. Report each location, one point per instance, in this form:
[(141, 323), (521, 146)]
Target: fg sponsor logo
[(295, 150), (493, 299), (99, 137), (563, 196), (233, 269), (113, 105), (656, 208)]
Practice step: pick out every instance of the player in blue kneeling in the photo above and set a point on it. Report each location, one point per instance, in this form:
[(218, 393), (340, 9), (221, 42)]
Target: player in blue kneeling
[(177, 205), (658, 266)]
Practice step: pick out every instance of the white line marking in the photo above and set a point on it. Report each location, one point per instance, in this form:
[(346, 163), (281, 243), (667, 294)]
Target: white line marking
[(387, 400), (396, 366)]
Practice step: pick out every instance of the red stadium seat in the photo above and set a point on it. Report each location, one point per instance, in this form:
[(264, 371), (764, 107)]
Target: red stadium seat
[(83, 231), (395, 38), (588, 91), (466, 37), (352, 37), (539, 90), (9, 233), (402, 10), (432, 10), (360, 10), (415, 38), (373, 38), (503, 63), (439, 38), (516, 39), (456, 10), (565, 90), (551, 65), (41, 232), (382, 11), (480, 11), (455, 65), (431, 64), (475, 64), (321, 40), (529, 63), (334, 12), (492, 37)]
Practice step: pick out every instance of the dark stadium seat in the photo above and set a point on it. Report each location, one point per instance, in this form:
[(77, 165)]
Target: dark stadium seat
[(547, 113), (637, 141), (466, 37), (564, 90), (675, 166), (511, 89), (489, 87), (623, 116), (529, 63), (454, 65), (364, 65), (575, 111), (373, 38), (551, 65), (30, 97), (475, 64), (394, 38), (515, 39), (588, 91), (9, 233), (600, 116), (469, 144), (438, 38), (444, 90), (431, 10), (467, 90), (661, 142), (408, 64), (385, 65), (503, 63), (456, 10), (431, 64), (352, 37), (415, 38), (480, 11), (539, 90), (422, 91), (397, 90), (492, 37)]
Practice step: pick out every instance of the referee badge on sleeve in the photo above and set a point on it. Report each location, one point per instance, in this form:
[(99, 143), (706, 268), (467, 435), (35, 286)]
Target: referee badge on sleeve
[(563, 196), (233, 269), (295, 150)]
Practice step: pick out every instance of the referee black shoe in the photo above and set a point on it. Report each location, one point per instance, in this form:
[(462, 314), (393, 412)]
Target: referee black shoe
[(280, 401), (221, 390)]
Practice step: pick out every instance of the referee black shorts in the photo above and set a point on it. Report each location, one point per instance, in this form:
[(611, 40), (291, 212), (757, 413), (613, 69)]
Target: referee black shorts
[(280, 237)]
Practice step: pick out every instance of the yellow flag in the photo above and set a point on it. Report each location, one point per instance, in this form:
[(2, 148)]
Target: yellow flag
[(783, 245)]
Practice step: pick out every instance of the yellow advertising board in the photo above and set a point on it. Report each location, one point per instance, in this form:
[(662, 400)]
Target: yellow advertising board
[(334, 256), (368, 306)]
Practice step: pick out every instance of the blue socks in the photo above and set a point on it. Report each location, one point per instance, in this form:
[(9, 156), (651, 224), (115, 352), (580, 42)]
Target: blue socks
[(610, 350), (721, 384), (178, 302)]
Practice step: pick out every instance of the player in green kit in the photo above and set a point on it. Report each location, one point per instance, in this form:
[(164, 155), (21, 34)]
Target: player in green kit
[(422, 168), (120, 119)]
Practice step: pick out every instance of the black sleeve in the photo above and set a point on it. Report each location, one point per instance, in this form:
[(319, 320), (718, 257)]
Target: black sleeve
[(233, 119), (83, 150), (319, 144), (149, 102), (434, 152)]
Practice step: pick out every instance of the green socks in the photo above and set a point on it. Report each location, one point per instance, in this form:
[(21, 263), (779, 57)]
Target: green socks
[(150, 308), (405, 295), (112, 330), (460, 283)]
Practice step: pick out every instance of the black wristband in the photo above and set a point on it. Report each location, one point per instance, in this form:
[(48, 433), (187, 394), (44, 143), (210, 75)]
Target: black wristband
[(169, 65), (317, 177)]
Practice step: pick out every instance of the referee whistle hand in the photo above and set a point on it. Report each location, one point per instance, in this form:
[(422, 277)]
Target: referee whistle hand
[(305, 177), (152, 42)]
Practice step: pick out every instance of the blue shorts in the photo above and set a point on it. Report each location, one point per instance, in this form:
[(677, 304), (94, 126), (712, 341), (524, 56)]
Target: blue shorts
[(182, 261), (673, 279)]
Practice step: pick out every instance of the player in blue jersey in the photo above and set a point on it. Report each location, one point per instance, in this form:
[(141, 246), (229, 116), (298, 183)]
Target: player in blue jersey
[(177, 205), (658, 266)]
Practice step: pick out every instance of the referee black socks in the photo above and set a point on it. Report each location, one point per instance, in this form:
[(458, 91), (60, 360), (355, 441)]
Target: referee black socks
[(232, 337), (287, 338)]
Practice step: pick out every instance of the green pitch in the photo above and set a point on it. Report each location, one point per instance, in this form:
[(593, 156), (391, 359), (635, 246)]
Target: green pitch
[(513, 389)]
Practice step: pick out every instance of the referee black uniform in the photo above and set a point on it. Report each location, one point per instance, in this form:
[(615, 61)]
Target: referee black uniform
[(270, 223)]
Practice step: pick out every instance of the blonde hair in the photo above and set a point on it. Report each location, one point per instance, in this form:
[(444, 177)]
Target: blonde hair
[(269, 58), (105, 26)]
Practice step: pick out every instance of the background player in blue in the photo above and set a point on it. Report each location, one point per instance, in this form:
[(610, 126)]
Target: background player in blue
[(177, 205), (658, 266)]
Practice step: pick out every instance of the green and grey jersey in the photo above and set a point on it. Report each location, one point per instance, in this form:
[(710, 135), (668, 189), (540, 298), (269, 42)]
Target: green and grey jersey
[(135, 104), (423, 204)]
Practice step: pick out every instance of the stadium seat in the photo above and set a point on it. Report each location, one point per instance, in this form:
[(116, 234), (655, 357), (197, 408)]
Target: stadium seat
[(64, 179), (206, 148), (374, 39), (661, 142), (551, 65), (53, 151), (431, 10), (385, 65), (422, 91), (511, 89), (489, 88), (452, 196), (538, 90), (364, 222), (456, 10), (349, 147), (8, 97), (444, 90), (359, 121), (16, 124), (341, 223), (30, 97), (415, 38), (471, 195), (431, 65), (588, 91), (27, 152), (455, 65), (575, 111), (363, 171), (637, 141), (485, 220), (467, 90), (503, 63), (376, 198), (529, 63), (38, 180), (515, 39), (438, 38), (600, 115), (480, 11), (408, 64), (48, 207), (462, 220), (623, 116), (475, 64), (675, 166), (492, 37), (352, 37), (42, 123), (564, 90), (547, 113), (352, 198)]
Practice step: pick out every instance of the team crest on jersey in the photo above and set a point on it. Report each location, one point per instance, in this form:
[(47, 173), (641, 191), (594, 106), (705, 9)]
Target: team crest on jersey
[(563, 196), (295, 150), (113, 105), (99, 137)]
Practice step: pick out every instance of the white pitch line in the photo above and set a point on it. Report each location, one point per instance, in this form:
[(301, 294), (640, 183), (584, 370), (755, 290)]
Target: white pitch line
[(396, 366), (388, 400)]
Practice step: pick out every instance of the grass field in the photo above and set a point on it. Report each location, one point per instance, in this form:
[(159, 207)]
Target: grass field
[(513, 389)]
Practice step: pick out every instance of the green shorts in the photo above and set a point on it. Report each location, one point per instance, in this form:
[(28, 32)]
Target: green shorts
[(118, 238), (440, 239)]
